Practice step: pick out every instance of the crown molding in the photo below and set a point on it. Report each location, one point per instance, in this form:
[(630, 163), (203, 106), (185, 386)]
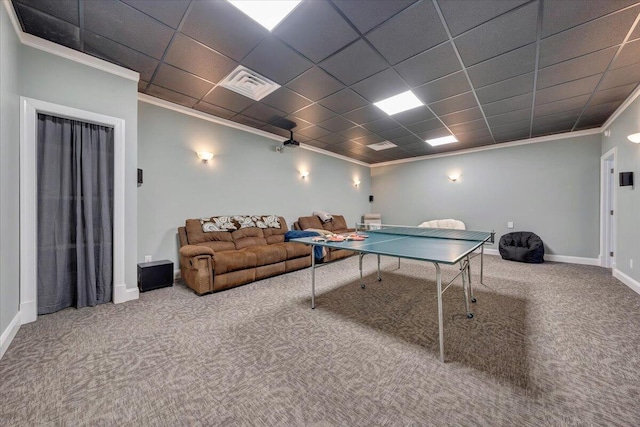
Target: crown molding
[(65, 52)]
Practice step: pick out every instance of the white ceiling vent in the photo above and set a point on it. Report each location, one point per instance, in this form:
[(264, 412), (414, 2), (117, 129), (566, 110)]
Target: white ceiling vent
[(249, 83), (384, 145)]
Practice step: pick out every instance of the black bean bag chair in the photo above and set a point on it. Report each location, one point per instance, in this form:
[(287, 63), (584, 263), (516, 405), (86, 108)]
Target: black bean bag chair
[(522, 246)]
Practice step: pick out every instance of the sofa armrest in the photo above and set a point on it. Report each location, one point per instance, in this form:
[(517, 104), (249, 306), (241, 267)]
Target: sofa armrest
[(190, 251)]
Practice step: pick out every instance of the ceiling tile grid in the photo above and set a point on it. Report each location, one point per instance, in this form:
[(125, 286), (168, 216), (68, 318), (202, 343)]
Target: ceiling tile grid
[(488, 71)]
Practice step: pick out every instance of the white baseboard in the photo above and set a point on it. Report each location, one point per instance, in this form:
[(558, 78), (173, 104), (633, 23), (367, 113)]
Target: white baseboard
[(176, 274), (557, 258), (8, 334), (630, 282), (123, 294), (28, 312)]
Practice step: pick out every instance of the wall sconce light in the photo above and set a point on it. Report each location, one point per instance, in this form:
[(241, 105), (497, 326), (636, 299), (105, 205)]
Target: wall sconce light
[(356, 183), (205, 156), (634, 137), (304, 174), (453, 177)]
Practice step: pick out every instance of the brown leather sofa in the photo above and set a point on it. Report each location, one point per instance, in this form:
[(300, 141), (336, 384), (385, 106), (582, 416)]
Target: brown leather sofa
[(337, 225), (218, 253)]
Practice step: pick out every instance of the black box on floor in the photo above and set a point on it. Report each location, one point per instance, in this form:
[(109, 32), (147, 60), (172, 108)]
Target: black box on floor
[(154, 275)]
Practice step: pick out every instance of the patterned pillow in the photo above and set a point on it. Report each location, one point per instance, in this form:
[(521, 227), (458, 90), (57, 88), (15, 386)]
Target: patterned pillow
[(217, 223), (244, 221), (270, 221)]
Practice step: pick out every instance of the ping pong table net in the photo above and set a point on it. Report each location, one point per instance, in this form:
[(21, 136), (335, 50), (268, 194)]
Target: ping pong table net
[(436, 233)]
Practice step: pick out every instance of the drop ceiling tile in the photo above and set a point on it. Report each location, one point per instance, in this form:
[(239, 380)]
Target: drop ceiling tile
[(168, 12), (510, 127), (169, 95), (407, 140), (433, 134), (565, 116), (332, 138), (511, 64), (500, 35), (395, 133), (475, 136), (315, 113), (584, 66), (314, 132), (587, 38), (380, 86), (630, 54), (180, 81), (298, 123), (462, 116), (562, 105), (513, 116), (343, 101), (621, 76), (336, 124), (228, 99), (67, 10), (410, 32), (247, 121), (506, 89), (224, 28), (284, 133), (365, 114), (619, 93), (453, 104), (462, 15), (355, 132), (562, 15), (369, 139), (317, 144), (315, 84), (285, 123), (591, 122), (510, 104), (119, 54), (551, 128), (286, 100), (316, 30), (429, 65), (48, 27), (196, 58), (414, 115), (375, 13), (214, 110), (567, 90), (354, 63), (468, 126), (125, 25), (348, 146), (445, 87), (263, 112), (600, 110), (515, 135), (142, 85), (381, 125), (636, 33), (425, 126), (274, 60)]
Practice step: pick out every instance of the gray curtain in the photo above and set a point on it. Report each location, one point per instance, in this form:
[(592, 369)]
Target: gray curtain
[(75, 214)]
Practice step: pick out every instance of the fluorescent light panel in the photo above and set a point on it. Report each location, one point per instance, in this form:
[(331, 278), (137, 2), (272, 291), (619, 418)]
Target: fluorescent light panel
[(267, 13), (441, 141), (399, 103)]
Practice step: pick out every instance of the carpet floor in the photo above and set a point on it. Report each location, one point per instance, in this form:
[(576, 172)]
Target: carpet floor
[(550, 344)]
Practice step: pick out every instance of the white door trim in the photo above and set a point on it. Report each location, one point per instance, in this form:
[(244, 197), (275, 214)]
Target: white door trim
[(607, 202), (29, 109)]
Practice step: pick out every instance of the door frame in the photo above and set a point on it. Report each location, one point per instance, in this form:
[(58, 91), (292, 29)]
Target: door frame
[(29, 109), (607, 203)]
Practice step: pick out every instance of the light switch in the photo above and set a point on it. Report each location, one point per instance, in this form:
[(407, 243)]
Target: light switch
[(510, 224)]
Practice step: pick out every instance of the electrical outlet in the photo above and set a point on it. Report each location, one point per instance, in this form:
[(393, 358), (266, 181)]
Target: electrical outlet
[(147, 258), (510, 224)]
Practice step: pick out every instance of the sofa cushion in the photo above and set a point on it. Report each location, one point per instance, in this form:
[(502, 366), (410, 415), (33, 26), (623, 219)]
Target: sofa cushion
[(306, 222), (218, 246), (275, 235), (246, 237), (294, 249), (227, 261), (267, 254), (196, 235)]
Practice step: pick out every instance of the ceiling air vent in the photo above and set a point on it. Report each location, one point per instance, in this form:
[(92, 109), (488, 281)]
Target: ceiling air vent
[(384, 145), (249, 83)]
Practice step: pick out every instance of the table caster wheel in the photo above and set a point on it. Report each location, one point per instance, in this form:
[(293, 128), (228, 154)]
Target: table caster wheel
[(474, 300), (379, 279), (362, 285), (469, 315)]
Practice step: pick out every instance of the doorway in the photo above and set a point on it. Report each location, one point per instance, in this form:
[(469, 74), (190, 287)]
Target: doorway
[(607, 209)]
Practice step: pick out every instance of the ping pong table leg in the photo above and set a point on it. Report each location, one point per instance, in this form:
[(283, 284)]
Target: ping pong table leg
[(313, 276), (440, 316), (473, 298), (360, 256), (379, 277), (464, 266), (481, 264)]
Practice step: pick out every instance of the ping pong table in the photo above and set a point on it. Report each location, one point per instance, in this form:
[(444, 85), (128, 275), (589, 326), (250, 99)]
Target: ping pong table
[(435, 245)]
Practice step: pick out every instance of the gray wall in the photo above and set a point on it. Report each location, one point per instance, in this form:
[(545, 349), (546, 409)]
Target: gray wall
[(627, 219), (550, 188), (246, 176), (9, 172), (54, 79)]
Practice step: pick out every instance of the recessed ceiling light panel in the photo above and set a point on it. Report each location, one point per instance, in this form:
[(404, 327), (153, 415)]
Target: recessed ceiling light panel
[(399, 103), (267, 13), (248, 83), (441, 141)]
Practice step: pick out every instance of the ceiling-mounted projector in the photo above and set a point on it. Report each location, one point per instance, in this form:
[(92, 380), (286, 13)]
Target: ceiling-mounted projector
[(291, 142)]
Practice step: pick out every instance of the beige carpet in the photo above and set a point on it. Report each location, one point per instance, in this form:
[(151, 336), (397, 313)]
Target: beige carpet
[(551, 344)]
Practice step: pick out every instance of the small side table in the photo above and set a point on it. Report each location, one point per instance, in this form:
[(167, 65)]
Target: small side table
[(154, 275)]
